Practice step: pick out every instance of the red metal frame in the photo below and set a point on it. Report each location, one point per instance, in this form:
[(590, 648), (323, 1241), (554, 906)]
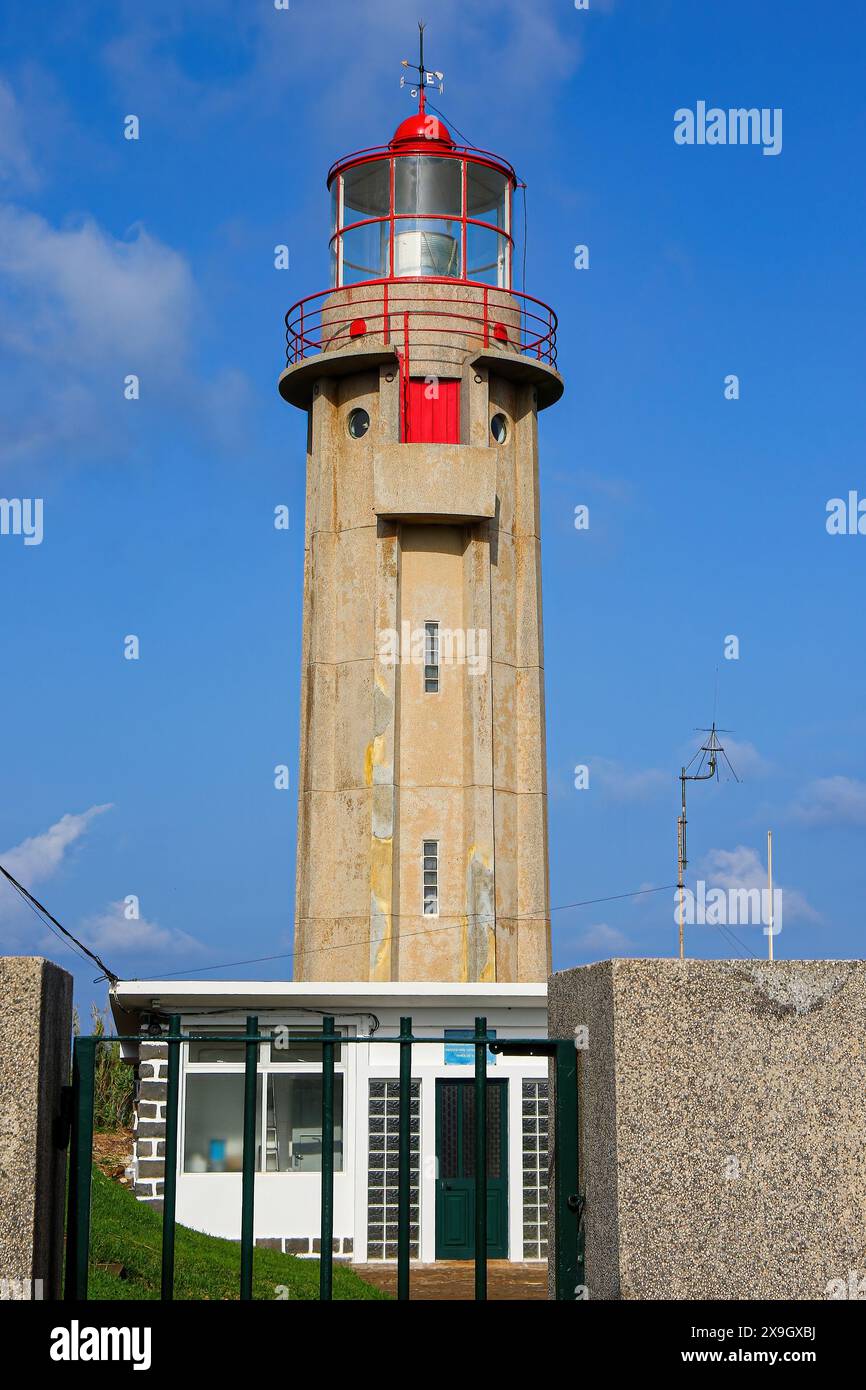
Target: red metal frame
[(432, 150), (380, 301), (432, 147)]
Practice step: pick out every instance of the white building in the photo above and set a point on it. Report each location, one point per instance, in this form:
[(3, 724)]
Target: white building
[(288, 1155)]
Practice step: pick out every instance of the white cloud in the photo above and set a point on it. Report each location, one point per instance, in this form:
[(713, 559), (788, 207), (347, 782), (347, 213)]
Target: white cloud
[(626, 783), (16, 165), (531, 48), (745, 759), (102, 307), (78, 295), (743, 867), (112, 934), (40, 856), (603, 941), (32, 862), (832, 801)]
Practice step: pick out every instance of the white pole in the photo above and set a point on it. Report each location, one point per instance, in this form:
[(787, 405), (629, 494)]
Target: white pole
[(770, 886)]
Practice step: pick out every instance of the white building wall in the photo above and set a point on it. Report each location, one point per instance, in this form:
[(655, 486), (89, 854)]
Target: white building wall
[(288, 1204)]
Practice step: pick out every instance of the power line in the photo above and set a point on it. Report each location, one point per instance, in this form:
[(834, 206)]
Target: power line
[(404, 936), (42, 912)]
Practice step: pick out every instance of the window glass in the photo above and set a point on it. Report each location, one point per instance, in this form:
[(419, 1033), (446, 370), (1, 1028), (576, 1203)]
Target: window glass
[(293, 1141), (366, 191), (486, 255), (426, 184), (214, 1123), (431, 658), (365, 252), (284, 1050), (217, 1051), (430, 861), (486, 195), (425, 246)]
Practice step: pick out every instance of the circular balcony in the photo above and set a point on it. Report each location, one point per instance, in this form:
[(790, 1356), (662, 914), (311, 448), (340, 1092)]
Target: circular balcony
[(432, 325)]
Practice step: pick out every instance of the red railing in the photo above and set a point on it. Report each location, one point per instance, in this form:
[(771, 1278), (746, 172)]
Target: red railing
[(384, 311)]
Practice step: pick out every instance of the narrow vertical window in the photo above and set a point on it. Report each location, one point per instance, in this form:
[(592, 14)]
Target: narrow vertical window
[(431, 658), (430, 863)]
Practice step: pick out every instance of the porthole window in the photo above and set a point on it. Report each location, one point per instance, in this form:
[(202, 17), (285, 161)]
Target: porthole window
[(499, 428), (358, 423)]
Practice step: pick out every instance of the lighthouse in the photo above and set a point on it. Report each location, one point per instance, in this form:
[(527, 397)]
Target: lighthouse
[(422, 899), (422, 369)]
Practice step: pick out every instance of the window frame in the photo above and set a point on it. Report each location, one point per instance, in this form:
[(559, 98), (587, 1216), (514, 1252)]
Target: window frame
[(435, 666), (265, 1067), (424, 871)]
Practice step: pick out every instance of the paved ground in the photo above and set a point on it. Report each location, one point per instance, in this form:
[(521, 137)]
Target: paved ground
[(455, 1280)]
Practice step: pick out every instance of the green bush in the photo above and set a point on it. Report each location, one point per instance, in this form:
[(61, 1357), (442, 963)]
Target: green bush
[(114, 1082)]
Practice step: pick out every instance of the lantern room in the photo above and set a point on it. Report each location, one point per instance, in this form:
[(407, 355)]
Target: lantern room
[(421, 207), (421, 272)]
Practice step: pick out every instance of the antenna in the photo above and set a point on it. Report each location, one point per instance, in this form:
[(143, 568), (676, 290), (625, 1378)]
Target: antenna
[(707, 758), (425, 78), (770, 904)]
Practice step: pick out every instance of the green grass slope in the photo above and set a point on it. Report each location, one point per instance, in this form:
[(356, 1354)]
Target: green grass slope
[(125, 1231)]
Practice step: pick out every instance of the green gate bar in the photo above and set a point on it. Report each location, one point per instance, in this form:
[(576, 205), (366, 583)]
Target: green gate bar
[(404, 1164), (480, 1159), (568, 1252), (569, 1272), (326, 1244), (80, 1167), (251, 1061), (169, 1190)]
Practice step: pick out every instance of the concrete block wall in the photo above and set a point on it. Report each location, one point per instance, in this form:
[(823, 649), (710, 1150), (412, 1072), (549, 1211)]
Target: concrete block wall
[(35, 1056), (723, 1114)]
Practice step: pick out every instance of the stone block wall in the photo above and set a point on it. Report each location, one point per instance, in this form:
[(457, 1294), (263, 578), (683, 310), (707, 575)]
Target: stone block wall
[(148, 1154)]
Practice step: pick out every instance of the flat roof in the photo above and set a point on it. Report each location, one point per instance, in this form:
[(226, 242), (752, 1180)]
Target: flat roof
[(145, 996)]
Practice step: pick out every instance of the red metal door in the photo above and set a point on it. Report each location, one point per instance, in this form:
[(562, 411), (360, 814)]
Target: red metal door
[(433, 411)]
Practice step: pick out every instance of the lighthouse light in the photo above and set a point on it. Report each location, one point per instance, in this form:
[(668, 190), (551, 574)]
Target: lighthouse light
[(427, 248)]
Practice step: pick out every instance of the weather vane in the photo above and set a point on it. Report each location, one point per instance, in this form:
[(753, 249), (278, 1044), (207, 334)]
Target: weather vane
[(425, 77)]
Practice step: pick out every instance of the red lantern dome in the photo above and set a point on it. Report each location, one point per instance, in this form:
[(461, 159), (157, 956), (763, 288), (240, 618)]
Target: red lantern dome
[(421, 129)]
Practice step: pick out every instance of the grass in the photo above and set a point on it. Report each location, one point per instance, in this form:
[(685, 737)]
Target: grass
[(125, 1231)]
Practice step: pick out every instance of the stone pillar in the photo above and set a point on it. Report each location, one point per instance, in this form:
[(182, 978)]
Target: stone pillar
[(35, 1054), (723, 1114), (148, 1160)]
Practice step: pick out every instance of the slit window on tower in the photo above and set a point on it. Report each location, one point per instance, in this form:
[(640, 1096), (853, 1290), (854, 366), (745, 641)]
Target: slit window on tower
[(431, 658), (430, 866)]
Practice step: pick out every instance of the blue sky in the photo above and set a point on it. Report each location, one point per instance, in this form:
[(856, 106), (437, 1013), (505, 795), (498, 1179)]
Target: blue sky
[(154, 777)]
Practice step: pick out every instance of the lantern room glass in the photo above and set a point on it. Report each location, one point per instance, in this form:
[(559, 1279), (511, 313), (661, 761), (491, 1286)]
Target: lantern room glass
[(412, 216), (423, 184)]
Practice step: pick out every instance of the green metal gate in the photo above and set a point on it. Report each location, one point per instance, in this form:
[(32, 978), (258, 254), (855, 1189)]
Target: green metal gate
[(568, 1252)]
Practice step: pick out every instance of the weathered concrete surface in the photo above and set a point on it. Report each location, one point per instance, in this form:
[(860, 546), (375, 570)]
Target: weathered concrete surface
[(384, 764), (723, 1120), (35, 1034), (429, 481)]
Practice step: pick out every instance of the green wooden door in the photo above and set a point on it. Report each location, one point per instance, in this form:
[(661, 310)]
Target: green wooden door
[(455, 1182)]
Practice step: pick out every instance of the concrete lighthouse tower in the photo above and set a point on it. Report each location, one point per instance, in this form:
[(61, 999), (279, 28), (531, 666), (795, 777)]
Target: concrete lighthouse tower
[(422, 826)]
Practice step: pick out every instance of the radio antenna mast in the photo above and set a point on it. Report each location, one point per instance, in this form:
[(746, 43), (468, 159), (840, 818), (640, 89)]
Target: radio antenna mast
[(707, 757)]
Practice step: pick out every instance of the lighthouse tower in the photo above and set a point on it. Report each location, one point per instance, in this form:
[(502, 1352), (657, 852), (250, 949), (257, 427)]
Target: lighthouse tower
[(422, 825)]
